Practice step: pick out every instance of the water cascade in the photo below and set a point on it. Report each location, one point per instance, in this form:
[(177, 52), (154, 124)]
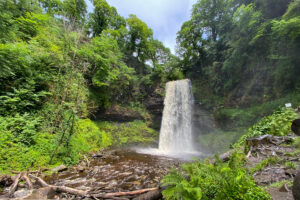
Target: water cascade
[(176, 128)]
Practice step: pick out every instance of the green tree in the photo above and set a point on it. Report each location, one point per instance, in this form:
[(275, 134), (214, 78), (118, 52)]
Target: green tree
[(104, 17), (75, 10)]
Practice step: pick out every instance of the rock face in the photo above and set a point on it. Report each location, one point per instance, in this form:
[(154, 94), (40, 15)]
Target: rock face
[(296, 186), (117, 113), (155, 106)]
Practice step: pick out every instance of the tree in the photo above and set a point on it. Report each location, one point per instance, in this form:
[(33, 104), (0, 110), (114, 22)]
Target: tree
[(52, 6), (104, 17), (139, 35), (75, 10)]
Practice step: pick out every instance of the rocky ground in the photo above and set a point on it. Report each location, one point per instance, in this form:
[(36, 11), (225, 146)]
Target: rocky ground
[(101, 173), (274, 162)]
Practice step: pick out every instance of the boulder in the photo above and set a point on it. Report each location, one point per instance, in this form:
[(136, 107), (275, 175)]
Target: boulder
[(296, 186), (296, 126), (42, 193)]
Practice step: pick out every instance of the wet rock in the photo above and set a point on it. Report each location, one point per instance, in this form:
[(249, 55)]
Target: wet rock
[(291, 172), (118, 114), (60, 168), (80, 168), (41, 194), (296, 186), (296, 127), (284, 188), (22, 193)]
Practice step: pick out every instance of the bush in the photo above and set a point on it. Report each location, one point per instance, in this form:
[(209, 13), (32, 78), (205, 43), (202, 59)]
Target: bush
[(279, 124), (205, 181)]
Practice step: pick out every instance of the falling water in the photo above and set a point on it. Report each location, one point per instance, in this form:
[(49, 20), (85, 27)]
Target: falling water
[(176, 128)]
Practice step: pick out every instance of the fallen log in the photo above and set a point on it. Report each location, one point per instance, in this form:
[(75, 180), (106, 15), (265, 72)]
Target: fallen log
[(14, 186), (118, 194)]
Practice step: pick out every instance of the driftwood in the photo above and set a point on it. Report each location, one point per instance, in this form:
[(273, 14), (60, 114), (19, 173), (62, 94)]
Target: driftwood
[(118, 194), (28, 182), (14, 186)]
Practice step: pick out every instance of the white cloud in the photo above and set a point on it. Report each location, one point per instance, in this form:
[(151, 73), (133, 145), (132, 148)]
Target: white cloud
[(165, 17)]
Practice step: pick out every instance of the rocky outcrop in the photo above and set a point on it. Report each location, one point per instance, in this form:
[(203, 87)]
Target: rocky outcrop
[(118, 113), (155, 106)]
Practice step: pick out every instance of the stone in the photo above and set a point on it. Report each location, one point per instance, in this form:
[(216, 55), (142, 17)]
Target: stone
[(284, 188), (42, 194), (296, 186), (60, 168), (80, 168), (22, 193), (296, 126)]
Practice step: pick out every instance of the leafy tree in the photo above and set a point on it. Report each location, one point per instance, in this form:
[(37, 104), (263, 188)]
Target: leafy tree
[(140, 36), (104, 17), (75, 10), (52, 6)]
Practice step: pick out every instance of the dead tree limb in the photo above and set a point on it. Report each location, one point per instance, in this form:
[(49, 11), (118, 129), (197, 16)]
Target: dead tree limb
[(117, 194), (28, 182), (14, 186)]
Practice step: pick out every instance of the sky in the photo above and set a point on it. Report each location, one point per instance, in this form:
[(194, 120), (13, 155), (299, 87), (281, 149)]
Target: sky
[(164, 17)]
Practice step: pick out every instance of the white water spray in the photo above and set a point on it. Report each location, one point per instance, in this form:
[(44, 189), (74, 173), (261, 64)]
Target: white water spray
[(176, 137), (176, 128)]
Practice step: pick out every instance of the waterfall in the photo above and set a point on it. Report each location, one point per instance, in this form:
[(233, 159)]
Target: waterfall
[(176, 128)]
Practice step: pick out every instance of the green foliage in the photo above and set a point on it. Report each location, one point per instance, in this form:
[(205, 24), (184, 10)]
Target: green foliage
[(205, 181), (22, 146), (241, 51), (129, 133), (75, 10), (89, 137), (279, 124)]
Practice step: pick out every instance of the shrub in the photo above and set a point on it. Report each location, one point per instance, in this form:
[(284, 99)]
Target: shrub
[(279, 124), (205, 181)]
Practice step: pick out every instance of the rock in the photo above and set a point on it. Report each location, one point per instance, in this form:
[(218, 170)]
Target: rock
[(42, 193), (22, 193), (296, 186), (296, 126), (291, 172), (80, 168), (284, 188), (117, 113), (60, 168)]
